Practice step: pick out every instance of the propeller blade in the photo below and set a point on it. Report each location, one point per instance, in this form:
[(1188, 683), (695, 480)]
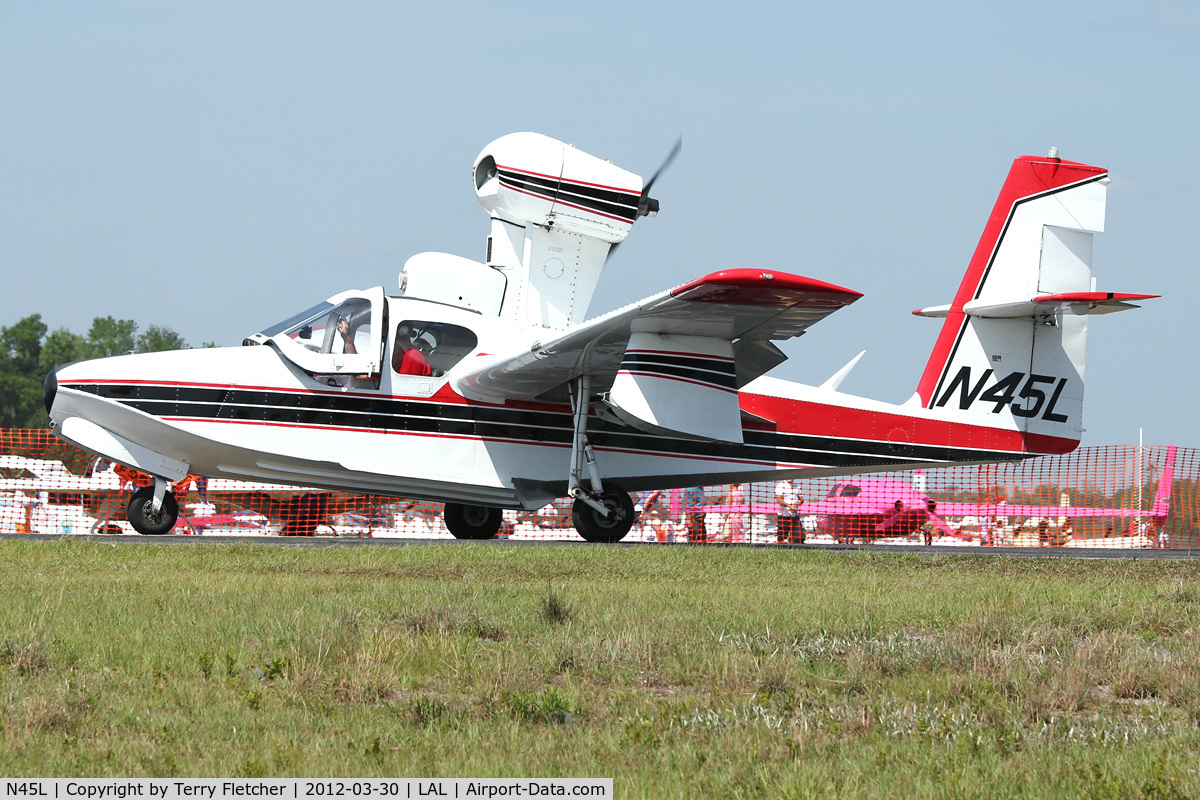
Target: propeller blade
[(647, 206), (666, 163)]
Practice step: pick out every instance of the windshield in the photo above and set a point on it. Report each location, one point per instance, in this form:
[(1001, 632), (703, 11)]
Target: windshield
[(296, 319)]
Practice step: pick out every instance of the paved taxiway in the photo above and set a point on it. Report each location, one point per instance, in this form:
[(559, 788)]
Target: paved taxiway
[(350, 541)]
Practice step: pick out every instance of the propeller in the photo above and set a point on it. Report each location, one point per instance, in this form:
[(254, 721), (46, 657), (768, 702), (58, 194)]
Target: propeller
[(647, 205)]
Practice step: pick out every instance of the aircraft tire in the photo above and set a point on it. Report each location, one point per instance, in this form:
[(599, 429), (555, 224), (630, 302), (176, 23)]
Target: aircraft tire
[(595, 528), (146, 523), (472, 522)]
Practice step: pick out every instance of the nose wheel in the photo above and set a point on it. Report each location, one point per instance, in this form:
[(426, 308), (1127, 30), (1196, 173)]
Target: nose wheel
[(145, 519)]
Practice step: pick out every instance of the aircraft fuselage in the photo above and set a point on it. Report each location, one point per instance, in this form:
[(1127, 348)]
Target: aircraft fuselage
[(251, 413)]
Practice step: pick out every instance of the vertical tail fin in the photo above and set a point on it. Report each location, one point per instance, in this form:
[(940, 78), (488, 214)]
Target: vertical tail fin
[(1011, 350)]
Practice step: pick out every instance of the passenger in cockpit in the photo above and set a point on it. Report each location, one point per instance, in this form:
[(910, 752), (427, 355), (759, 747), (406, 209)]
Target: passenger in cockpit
[(406, 358)]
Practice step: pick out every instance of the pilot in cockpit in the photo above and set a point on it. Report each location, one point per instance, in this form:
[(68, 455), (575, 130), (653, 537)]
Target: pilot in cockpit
[(343, 328), (356, 381)]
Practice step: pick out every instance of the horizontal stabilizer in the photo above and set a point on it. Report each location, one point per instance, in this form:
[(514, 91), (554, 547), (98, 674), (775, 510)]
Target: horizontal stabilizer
[(1098, 302), (1043, 305)]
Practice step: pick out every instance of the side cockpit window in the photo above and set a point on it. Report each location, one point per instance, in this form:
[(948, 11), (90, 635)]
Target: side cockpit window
[(420, 347)]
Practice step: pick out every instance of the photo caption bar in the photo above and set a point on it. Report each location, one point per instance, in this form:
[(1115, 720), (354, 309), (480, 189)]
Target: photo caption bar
[(216, 789)]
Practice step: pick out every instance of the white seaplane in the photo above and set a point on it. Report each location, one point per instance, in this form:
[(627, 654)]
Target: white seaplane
[(483, 385)]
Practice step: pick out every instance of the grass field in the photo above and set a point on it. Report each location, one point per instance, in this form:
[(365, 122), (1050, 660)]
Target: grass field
[(677, 671)]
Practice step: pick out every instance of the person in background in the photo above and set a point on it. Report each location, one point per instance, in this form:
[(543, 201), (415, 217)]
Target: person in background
[(690, 502), (674, 514), (788, 527), (735, 528), (654, 514)]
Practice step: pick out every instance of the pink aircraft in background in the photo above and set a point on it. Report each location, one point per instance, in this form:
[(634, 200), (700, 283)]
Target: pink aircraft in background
[(872, 509)]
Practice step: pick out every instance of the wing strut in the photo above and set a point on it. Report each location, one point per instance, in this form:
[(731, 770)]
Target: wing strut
[(581, 450)]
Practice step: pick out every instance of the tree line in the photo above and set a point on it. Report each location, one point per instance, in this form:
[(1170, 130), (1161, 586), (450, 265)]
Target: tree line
[(29, 350)]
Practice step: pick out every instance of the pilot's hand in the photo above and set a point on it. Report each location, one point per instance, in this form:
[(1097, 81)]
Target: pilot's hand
[(343, 327)]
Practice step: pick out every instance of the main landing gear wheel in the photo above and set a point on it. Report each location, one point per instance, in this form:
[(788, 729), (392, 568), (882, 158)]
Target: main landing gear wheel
[(144, 520), (593, 527), (472, 522)]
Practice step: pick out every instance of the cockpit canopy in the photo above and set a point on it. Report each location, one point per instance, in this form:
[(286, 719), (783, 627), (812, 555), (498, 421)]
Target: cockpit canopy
[(344, 340), (341, 335)]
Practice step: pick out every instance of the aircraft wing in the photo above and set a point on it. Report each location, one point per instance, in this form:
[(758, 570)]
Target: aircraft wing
[(674, 361)]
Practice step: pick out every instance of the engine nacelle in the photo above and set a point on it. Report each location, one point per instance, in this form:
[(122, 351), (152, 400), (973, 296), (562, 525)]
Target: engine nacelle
[(531, 179)]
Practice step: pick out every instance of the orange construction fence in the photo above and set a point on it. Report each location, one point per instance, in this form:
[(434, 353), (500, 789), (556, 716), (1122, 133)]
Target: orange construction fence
[(1113, 496)]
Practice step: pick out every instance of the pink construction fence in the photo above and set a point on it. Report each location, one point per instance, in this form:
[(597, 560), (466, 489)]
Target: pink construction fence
[(1127, 497)]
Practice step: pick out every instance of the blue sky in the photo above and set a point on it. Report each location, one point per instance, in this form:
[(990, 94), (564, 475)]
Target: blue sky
[(218, 166)]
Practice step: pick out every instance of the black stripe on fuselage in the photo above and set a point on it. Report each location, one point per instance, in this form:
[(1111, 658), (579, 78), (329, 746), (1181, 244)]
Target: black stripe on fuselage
[(526, 426), (550, 186), (702, 370), (606, 201)]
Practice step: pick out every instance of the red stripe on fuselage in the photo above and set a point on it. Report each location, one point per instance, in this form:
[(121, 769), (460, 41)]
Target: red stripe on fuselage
[(819, 419)]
